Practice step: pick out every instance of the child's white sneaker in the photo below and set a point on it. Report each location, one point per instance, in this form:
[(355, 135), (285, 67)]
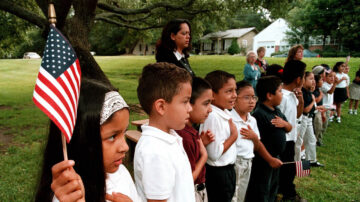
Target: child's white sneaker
[(331, 118), (351, 111), (355, 112), (338, 120)]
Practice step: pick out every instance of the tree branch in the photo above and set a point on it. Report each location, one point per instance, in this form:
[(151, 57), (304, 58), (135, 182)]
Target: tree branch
[(147, 9), (108, 20), (22, 13), (110, 15)]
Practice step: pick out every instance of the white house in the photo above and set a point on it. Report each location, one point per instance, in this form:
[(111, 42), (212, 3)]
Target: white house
[(219, 42), (273, 37)]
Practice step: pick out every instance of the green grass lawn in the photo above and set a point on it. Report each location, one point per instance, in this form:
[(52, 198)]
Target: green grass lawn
[(23, 126)]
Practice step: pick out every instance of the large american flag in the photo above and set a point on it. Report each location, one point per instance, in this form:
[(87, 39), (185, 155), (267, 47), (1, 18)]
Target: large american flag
[(57, 87), (302, 168)]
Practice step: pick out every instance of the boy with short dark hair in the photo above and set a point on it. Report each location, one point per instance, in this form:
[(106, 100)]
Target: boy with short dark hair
[(161, 167), (194, 145), (291, 106), (220, 173), (273, 127)]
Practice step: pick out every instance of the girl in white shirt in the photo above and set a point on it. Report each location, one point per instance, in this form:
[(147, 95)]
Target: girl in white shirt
[(97, 150), (341, 93)]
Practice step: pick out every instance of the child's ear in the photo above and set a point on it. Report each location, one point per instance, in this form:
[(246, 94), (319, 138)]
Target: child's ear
[(269, 96), (159, 106)]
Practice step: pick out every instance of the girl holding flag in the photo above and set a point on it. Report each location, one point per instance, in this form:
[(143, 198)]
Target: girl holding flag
[(97, 149)]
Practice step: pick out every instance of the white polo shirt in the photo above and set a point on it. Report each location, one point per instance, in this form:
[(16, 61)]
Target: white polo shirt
[(161, 167), (121, 182), (328, 99), (244, 147), (288, 107), (218, 123), (343, 83)]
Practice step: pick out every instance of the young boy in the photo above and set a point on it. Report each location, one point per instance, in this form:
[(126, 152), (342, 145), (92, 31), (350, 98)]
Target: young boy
[(248, 140), (220, 173), (273, 127), (200, 101), (161, 168), (291, 106), (328, 89)]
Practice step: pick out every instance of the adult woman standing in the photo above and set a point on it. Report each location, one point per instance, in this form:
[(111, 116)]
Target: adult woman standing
[(175, 44), (251, 70), (295, 53), (260, 61)]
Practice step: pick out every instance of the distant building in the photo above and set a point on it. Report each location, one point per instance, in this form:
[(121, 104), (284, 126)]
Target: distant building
[(273, 39), (219, 42), (142, 48)]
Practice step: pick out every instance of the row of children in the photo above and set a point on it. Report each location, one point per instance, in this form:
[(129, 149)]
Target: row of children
[(166, 166)]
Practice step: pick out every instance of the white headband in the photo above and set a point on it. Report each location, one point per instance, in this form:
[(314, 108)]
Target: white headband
[(113, 102)]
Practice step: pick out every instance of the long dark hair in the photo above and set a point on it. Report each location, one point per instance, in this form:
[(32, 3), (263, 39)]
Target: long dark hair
[(336, 66), (85, 147), (166, 44)]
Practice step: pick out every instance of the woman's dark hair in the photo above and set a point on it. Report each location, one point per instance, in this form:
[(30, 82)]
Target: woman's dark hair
[(292, 52), (85, 147), (336, 66), (265, 85), (199, 85), (166, 44)]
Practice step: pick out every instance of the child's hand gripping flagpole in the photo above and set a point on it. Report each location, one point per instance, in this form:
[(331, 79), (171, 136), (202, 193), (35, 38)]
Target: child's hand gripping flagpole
[(57, 87)]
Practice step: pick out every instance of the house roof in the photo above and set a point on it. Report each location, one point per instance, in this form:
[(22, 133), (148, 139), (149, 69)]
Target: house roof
[(276, 32), (228, 34)]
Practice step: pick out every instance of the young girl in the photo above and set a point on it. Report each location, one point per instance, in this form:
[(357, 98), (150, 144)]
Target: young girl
[(193, 142), (320, 116), (97, 149), (354, 91), (341, 91), (306, 131)]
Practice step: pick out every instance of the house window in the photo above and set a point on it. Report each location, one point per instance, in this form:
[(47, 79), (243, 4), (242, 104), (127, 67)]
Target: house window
[(272, 46), (244, 43), (207, 46), (268, 46)]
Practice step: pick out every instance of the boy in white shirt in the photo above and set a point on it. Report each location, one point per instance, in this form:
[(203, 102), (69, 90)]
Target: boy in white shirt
[(248, 140), (161, 167), (291, 106), (328, 89), (220, 173)]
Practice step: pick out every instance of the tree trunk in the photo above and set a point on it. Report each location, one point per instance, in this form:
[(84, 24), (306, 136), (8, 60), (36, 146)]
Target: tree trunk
[(323, 44)]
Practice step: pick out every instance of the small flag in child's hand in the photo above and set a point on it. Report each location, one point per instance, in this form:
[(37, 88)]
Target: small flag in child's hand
[(57, 87), (302, 168)]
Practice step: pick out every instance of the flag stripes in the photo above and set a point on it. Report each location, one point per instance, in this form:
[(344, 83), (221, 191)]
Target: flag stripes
[(302, 168), (57, 87)]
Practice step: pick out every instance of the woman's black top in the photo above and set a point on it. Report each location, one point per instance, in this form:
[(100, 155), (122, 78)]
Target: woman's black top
[(168, 56)]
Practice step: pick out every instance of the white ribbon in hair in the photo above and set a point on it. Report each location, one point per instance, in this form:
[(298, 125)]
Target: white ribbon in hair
[(113, 102)]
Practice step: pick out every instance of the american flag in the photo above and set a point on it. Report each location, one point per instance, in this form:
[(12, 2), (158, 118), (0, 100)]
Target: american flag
[(57, 87), (302, 168)]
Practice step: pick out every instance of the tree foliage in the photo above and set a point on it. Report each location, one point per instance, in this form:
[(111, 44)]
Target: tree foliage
[(234, 47), (338, 19), (76, 19)]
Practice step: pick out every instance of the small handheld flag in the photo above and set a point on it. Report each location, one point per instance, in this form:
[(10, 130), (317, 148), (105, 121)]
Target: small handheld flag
[(57, 87), (302, 168)]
